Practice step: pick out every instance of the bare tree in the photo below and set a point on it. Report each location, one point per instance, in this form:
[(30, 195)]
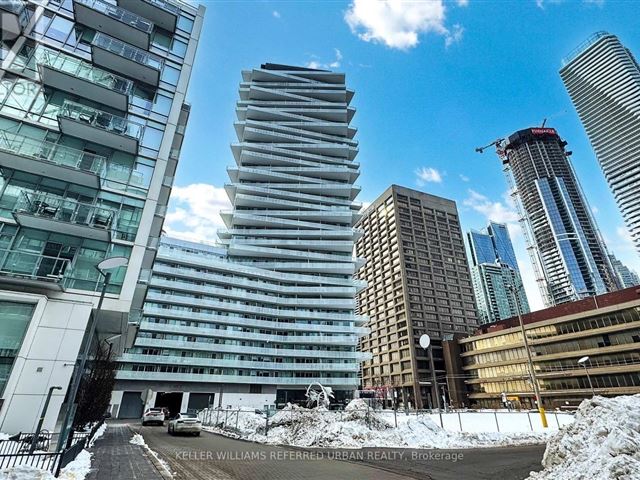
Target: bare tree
[(94, 394)]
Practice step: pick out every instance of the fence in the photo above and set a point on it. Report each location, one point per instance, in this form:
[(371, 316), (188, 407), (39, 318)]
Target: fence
[(14, 450), (453, 421)]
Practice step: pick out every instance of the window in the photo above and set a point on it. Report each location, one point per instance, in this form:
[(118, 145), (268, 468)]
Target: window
[(15, 320)]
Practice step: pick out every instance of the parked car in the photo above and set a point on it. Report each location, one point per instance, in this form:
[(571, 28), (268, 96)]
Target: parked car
[(185, 423), (153, 415)]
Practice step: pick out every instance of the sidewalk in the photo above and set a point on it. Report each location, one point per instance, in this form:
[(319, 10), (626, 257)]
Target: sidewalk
[(114, 458)]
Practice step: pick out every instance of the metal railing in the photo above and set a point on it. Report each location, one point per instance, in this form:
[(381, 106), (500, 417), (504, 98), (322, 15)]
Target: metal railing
[(125, 16), (84, 70), (100, 119), (33, 265), (52, 152), (65, 210), (125, 50)]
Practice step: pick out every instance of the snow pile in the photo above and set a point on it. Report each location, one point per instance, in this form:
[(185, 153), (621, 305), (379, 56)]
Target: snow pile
[(101, 429), (137, 439), (357, 427), (76, 470), (602, 443)]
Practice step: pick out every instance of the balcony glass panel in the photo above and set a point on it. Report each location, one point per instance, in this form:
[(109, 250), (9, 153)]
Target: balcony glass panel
[(51, 152), (65, 210), (130, 52), (125, 16), (164, 5), (85, 70), (32, 266), (100, 119)]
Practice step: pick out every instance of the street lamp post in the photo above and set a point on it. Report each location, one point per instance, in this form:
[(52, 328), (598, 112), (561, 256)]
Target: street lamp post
[(425, 342), (583, 361), (103, 268), (532, 372)]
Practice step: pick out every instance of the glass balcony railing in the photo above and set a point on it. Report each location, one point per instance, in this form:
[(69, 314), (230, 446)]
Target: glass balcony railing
[(52, 152), (84, 70), (118, 13), (164, 5), (13, 6), (127, 51), (53, 207), (32, 266), (100, 119)]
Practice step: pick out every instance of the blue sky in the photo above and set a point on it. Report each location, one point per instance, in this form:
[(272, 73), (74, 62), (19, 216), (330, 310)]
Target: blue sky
[(433, 80)]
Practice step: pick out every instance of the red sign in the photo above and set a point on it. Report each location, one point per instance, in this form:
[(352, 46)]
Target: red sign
[(542, 131)]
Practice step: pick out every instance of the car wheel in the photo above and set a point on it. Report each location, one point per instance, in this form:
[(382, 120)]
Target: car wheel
[(144, 424), (197, 434)]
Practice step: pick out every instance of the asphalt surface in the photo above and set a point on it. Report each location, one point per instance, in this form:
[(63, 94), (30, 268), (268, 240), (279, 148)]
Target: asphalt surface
[(215, 457)]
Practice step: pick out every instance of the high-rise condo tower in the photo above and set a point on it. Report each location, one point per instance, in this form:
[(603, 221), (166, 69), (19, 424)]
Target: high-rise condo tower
[(603, 80)]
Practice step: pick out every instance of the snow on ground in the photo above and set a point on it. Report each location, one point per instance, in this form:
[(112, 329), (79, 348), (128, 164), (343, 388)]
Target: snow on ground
[(602, 444), (138, 439), (101, 429), (357, 428), (76, 470)]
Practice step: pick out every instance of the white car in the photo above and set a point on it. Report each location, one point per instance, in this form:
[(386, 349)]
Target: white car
[(185, 423), (153, 415)]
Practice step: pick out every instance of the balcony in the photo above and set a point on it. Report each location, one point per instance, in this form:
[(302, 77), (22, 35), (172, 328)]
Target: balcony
[(115, 21), (78, 77), (44, 211), (162, 13), (14, 16), (119, 56), (32, 269), (99, 127), (50, 159)]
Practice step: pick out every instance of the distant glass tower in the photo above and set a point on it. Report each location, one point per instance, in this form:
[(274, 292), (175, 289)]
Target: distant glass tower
[(496, 279), (603, 81), (626, 277), (570, 259)]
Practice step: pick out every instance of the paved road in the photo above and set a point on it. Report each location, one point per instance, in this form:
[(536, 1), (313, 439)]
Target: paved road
[(214, 457)]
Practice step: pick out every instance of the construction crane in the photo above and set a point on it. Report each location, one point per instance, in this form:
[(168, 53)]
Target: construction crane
[(495, 142), (499, 144), (555, 115)]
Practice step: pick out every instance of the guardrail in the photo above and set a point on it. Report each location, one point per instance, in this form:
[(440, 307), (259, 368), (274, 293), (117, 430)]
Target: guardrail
[(14, 451)]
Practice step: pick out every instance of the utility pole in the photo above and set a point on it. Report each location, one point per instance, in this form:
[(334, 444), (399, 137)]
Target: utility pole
[(532, 373)]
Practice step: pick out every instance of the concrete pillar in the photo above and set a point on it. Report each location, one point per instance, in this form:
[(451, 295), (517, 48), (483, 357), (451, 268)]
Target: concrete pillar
[(185, 402)]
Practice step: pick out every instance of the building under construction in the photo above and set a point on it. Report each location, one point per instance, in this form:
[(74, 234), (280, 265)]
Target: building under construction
[(569, 256)]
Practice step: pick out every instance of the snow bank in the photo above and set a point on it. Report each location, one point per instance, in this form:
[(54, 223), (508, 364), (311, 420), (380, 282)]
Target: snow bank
[(602, 443), (76, 470), (137, 439), (98, 434), (357, 427)]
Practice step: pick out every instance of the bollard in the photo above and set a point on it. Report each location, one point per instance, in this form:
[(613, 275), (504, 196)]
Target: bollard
[(266, 427), (495, 414), (395, 417), (459, 420)]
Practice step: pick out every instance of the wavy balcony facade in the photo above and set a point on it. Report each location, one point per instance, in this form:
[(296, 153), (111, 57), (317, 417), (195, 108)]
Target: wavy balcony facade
[(274, 304)]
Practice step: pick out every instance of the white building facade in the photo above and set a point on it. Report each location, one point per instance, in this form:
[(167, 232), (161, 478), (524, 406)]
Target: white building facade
[(603, 81), (92, 116), (273, 309)]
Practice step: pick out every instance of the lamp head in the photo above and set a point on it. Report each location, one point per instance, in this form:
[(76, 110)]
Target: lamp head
[(112, 262), (583, 360)]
